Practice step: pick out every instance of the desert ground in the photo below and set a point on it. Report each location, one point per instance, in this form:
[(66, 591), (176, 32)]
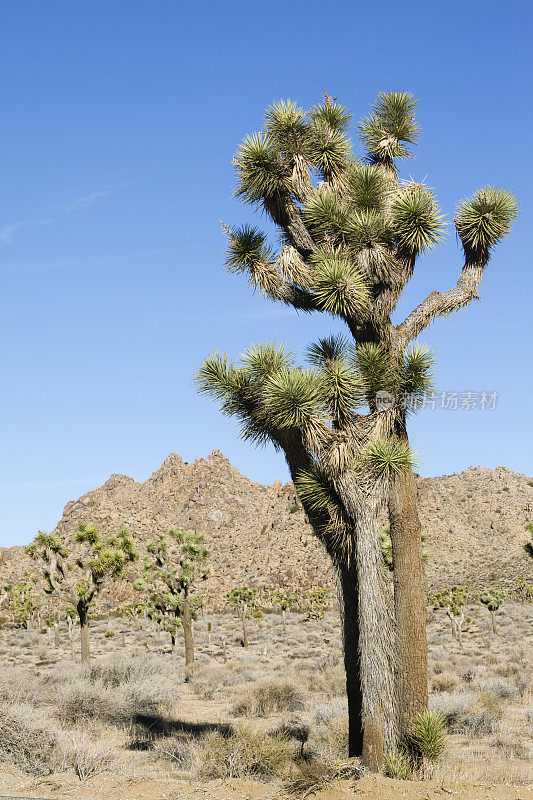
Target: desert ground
[(262, 722)]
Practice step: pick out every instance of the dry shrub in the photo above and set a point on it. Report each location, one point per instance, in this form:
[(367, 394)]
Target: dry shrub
[(122, 668), (443, 682), (330, 739), (209, 681), (269, 697), (245, 752), (454, 706), (502, 689), (329, 682), (82, 701), (88, 757), (336, 707), (178, 749), (28, 744)]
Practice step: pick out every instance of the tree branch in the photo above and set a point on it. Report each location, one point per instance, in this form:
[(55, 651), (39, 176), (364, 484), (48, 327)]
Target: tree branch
[(438, 304)]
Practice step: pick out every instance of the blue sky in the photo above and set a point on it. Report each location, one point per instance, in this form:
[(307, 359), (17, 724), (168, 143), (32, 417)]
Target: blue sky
[(120, 118)]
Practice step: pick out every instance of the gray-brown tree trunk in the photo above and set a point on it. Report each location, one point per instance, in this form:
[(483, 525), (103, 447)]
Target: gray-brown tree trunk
[(84, 633), (409, 603), (186, 621)]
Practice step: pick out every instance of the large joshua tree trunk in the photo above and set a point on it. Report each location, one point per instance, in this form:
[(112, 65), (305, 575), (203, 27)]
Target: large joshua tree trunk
[(409, 602), (186, 621), (376, 637), (83, 614)]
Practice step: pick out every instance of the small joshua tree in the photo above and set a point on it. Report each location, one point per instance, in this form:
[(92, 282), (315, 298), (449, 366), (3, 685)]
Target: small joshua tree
[(242, 598), (174, 563), (22, 603), (285, 602), (317, 600), (453, 600), (77, 575), (492, 599)]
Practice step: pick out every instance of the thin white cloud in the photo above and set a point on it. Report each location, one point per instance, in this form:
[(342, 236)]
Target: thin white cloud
[(7, 232)]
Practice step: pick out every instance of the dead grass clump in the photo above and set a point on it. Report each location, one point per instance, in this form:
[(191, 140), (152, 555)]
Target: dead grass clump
[(178, 749), (454, 706), (330, 682), (443, 682), (330, 739), (269, 697), (502, 689), (122, 668), (88, 757), (245, 752), (209, 681), (30, 745)]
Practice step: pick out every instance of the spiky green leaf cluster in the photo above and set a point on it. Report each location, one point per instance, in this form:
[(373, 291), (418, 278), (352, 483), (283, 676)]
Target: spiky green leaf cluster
[(247, 246), (385, 458), (390, 125), (397, 764), (429, 735), (291, 398), (340, 287), (416, 220), (367, 186), (483, 220), (286, 124), (260, 171), (417, 379)]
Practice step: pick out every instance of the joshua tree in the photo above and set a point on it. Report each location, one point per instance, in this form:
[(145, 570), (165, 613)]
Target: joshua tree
[(243, 599), (453, 601), (349, 246), (175, 562), (77, 575), (317, 600), (492, 599), (285, 603), (21, 602)]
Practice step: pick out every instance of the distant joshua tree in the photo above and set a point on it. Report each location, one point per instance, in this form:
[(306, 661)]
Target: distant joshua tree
[(175, 562), (76, 573), (285, 602), (350, 240), (453, 601), (492, 599), (242, 598)]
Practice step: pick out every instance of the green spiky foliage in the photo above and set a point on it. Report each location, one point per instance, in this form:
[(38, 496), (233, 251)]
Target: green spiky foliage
[(397, 764), (284, 601), (351, 235), (385, 458), (317, 603), (77, 568), (22, 604), (176, 561), (429, 736)]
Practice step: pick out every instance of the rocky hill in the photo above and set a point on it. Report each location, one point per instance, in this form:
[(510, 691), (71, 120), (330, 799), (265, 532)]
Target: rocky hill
[(474, 522)]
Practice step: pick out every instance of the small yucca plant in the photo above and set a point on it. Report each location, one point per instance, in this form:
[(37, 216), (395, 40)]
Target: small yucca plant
[(429, 736), (397, 764)]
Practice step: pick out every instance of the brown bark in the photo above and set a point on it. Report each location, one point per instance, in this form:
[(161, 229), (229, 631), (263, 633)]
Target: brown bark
[(186, 621), (84, 633), (409, 602)]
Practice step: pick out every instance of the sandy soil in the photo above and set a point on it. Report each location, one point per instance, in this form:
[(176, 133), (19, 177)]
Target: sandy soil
[(65, 786)]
